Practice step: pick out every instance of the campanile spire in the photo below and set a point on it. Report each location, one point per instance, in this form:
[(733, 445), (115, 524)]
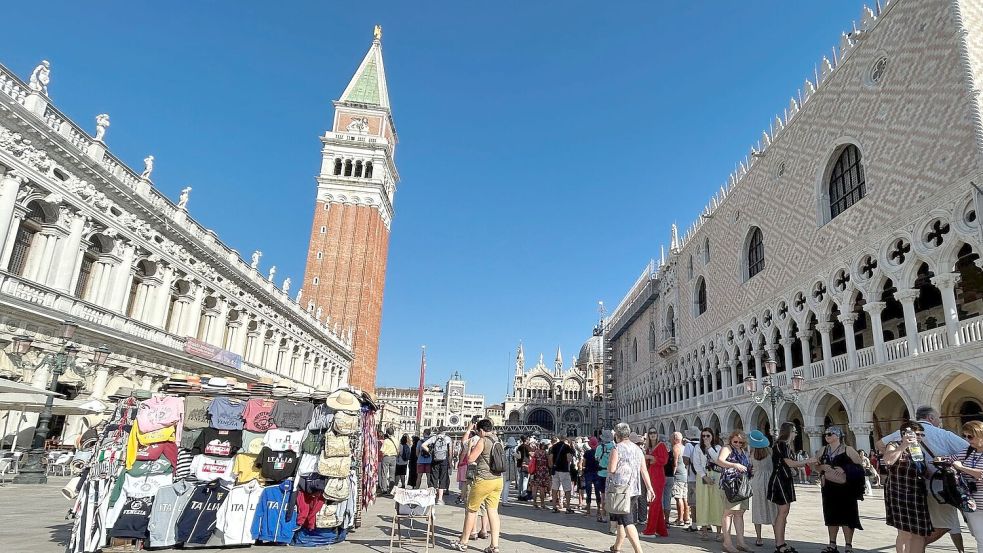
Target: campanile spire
[(356, 188)]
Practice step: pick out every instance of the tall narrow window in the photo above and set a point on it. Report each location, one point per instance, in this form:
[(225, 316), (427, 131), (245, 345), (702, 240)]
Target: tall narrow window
[(847, 184), (755, 253), (28, 228), (706, 251), (348, 168), (358, 168), (337, 166), (701, 297), (368, 169)]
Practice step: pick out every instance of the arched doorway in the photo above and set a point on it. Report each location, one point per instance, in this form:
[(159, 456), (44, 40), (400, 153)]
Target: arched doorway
[(962, 401), (888, 411), (791, 413), (831, 411), (734, 422), (759, 421), (714, 423), (515, 418), (543, 419)]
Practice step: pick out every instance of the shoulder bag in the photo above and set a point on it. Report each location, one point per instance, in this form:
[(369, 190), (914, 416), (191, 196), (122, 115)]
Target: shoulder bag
[(617, 501), (737, 488)]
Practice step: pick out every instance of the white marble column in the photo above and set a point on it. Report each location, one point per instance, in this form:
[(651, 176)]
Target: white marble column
[(759, 369), (41, 247), (192, 314), (946, 283), (815, 434), (787, 352), (874, 309), (69, 255), (824, 329), (122, 278), (907, 298), (99, 384), (804, 336), (161, 301), (733, 373), (851, 339), (8, 238), (10, 184)]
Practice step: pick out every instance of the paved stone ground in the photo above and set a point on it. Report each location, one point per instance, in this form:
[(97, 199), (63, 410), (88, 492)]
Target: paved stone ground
[(32, 520)]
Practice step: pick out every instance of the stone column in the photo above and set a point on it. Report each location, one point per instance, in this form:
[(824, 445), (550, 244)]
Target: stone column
[(122, 278), (815, 434), (759, 371), (851, 339), (907, 298), (161, 301), (824, 329), (70, 255), (787, 353), (192, 313), (804, 336), (946, 283), (874, 309), (862, 433), (99, 384), (241, 335), (8, 237), (217, 329), (744, 366), (733, 373), (10, 184), (39, 258)]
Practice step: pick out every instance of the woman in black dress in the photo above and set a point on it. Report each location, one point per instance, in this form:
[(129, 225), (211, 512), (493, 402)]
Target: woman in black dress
[(403, 460), (781, 486), (905, 498), (413, 482), (840, 501)]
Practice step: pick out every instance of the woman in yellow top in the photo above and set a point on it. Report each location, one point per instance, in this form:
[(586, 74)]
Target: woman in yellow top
[(486, 488)]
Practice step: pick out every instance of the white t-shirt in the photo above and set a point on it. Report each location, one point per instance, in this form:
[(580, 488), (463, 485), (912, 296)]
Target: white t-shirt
[(233, 524), (941, 441), (284, 440), (439, 453), (688, 449), (207, 468)]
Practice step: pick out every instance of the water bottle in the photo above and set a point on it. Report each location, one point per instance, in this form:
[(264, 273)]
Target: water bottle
[(915, 449)]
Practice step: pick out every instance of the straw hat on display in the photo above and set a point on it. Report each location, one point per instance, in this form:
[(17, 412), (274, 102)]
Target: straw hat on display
[(343, 400)]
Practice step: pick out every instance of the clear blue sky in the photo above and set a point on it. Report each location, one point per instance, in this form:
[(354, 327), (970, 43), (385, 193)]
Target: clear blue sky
[(545, 147)]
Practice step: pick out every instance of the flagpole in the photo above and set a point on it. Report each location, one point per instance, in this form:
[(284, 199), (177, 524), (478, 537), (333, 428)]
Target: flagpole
[(419, 392)]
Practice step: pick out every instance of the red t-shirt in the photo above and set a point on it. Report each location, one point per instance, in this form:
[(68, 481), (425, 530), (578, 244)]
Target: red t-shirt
[(258, 415)]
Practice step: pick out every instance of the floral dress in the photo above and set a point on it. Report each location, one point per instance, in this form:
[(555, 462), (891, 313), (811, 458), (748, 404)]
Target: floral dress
[(541, 477)]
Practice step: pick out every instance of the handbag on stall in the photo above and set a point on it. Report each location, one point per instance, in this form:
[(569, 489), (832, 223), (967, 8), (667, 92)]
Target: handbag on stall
[(328, 517), (334, 467), (345, 423), (337, 489), (337, 446)]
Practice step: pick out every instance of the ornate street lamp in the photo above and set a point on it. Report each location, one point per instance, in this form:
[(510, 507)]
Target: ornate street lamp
[(34, 471), (771, 393)]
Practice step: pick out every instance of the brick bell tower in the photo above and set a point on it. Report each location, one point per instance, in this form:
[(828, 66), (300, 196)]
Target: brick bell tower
[(346, 260)]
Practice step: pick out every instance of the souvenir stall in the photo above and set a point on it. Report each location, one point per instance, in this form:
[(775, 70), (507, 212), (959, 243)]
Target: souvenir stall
[(215, 465)]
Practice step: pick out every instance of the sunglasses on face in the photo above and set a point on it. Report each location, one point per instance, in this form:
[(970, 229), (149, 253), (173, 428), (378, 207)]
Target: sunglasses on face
[(828, 434), (707, 436), (738, 443)]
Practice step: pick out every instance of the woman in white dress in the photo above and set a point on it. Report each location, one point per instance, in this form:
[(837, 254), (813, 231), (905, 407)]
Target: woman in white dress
[(762, 511)]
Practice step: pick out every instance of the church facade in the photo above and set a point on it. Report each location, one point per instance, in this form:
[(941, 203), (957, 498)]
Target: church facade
[(845, 249), (562, 401)]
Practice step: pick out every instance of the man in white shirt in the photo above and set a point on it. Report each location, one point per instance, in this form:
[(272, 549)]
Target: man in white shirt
[(439, 447), (938, 442), (691, 444)]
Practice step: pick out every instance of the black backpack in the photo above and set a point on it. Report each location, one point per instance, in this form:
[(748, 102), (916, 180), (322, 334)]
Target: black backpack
[(496, 459), (670, 466)]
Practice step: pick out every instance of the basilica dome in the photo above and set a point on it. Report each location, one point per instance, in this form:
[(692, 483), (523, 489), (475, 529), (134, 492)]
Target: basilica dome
[(590, 352)]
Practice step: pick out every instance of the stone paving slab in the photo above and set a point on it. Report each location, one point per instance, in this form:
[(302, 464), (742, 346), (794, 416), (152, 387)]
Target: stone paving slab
[(32, 520)]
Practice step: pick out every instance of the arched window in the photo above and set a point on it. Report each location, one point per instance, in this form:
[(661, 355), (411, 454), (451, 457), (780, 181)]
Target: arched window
[(368, 169), (701, 297), (337, 166), (755, 253), (29, 227), (846, 181), (358, 168), (670, 329), (348, 168), (634, 347)]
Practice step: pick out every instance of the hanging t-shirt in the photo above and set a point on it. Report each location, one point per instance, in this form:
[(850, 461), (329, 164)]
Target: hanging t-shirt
[(183, 468), (292, 415), (138, 438), (276, 466), (218, 443), (321, 418), (283, 440), (151, 468), (134, 518), (189, 437), (226, 413), (152, 452), (245, 468), (258, 414), (249, 437), (307, 464), (196, 412), (207, 469), (157, 412)]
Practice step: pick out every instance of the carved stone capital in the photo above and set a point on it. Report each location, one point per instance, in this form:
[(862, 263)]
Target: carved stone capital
[(848, 319), (946, 281), (875, 308), (907, 295), (824, 327), (804, 334)]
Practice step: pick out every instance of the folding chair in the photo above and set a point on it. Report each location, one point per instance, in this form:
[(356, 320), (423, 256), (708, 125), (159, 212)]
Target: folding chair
[(7, 467), (413, 505)]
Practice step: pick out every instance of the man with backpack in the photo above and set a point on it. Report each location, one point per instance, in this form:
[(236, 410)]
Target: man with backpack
[(603, 454), (439, 448), (485, 490)]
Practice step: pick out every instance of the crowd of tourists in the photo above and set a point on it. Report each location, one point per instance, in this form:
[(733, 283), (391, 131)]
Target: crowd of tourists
[(635, 483)]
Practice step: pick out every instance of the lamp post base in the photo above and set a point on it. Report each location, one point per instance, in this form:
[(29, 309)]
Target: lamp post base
[(33, 472)]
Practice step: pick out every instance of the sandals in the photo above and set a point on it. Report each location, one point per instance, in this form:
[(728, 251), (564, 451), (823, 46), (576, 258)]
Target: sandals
[(785, 548), (458, 546), (482, 535), (490, 549), (830, 549), (743, 548)]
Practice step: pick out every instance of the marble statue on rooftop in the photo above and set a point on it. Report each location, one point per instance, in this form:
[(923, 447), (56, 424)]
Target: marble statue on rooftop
[(148, 167), (299, 294), (182, 202), (286, 285), (318, 313), (40, 77), (272, 273), (255, 262), (102, 123)]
